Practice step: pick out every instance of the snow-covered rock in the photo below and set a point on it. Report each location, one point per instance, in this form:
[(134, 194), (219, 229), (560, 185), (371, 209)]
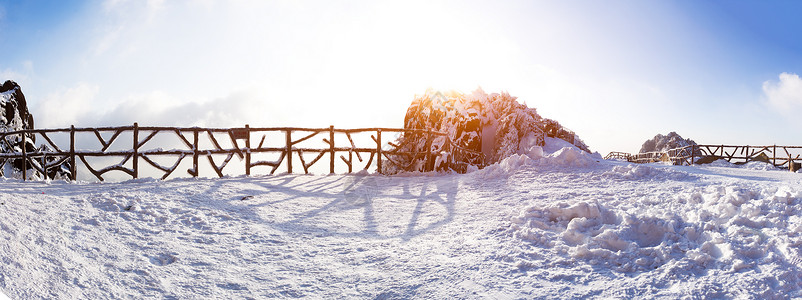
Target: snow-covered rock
[(661, 143), (14, 116), (487, 128)]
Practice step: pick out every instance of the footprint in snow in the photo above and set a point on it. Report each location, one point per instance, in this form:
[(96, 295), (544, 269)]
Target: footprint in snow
[(163, 259)]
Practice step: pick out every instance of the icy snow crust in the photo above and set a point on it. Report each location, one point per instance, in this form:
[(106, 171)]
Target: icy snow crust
[(554, 222)]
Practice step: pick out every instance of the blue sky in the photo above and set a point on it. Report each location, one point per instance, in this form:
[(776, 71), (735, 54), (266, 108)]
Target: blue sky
[(616, 72)]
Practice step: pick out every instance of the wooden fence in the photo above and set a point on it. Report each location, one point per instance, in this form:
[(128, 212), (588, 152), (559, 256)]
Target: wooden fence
[(240, 142), (617, 155), (779, 156)]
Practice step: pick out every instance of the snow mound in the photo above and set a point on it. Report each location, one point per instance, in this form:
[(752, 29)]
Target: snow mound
[(552, 145), (566, 157), (730, 229), (722, 163), (759, 165), (588, 231), (505, 167), (644, 172), (752, 165)]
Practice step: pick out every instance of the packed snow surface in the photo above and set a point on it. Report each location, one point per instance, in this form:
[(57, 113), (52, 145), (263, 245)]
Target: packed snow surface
[(554, 222)]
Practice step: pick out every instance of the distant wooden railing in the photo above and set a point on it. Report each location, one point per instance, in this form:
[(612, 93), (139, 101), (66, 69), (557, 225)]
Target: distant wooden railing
[(616, 155), (779, 156), (240, 143)]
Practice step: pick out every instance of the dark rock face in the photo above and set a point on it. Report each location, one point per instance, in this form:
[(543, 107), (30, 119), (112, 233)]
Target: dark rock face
[(15, 109), (495, 125), (662, 143), (14, 116)]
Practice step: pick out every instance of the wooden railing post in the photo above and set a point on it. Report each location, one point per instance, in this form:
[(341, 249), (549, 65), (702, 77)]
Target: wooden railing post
[(331, 150), (351, 161), (43, 164), (451, 152), (774, 155), (746, 155), (136, 151), (195, 172), (248, 150), (693, 154), (24, 157), (379, 150), (73, 162), (288, 150), (428, 157)]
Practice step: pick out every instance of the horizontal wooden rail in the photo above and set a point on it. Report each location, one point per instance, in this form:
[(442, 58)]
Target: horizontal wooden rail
[(240, 143), (779, 156)]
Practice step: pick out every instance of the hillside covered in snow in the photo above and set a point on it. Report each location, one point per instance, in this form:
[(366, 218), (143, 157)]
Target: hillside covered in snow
[(556, 222)]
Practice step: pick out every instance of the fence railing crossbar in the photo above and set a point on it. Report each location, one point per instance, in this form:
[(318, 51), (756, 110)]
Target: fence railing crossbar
[(53, 154)]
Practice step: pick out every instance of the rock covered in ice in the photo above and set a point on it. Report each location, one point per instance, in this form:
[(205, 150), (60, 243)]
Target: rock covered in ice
[(487, 128)]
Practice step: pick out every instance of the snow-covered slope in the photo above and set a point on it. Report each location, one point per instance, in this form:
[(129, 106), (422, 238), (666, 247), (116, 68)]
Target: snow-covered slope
[(556, 222)]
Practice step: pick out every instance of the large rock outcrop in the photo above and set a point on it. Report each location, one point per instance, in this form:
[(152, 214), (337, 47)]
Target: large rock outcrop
[(494, 125), (14, 116), (662, 143)]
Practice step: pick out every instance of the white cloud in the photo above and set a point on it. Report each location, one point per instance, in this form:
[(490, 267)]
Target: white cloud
[(66, 107), (9, 74), (160, 109), (21, 74), (784, 96), (81, 106)]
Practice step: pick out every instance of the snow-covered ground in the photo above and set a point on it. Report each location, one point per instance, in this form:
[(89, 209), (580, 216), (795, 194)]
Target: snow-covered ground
[(554, 223)]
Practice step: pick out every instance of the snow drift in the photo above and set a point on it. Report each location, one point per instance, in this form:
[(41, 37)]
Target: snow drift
[(717, 228), (555, 154)]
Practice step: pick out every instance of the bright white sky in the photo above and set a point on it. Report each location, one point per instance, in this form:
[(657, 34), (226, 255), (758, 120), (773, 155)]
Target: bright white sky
[(615, 72)]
